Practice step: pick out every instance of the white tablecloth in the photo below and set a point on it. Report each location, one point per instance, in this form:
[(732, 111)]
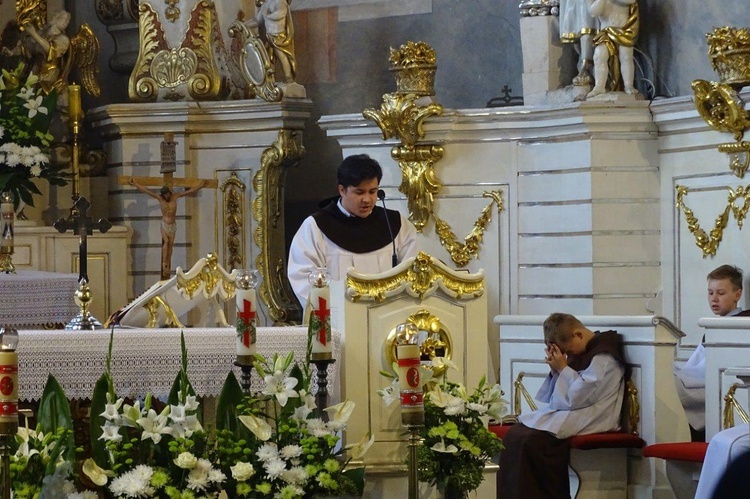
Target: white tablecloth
[(34, 298), (148, 360)]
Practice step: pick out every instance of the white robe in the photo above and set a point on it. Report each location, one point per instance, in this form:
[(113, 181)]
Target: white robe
[(582, 402), (722, 449), (311, 248), (691, 384)]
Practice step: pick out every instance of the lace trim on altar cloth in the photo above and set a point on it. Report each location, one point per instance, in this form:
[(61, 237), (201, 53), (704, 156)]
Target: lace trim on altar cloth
[(35, 298), (148, 360)]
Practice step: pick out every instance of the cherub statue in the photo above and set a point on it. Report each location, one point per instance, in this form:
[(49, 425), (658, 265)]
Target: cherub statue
[(613, 53), (578, 27), (276, 15), (56, 54)]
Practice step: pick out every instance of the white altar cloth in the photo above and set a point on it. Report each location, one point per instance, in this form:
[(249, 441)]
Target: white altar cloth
[(148, 360), (34, 298)]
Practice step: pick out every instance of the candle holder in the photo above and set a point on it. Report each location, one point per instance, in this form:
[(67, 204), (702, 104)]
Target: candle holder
[(8, 403), (321, 396), (84, 321), (7, 214), (245, 377)]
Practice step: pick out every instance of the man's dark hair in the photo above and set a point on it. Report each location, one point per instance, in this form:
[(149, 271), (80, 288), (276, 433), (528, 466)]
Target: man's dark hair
[(558, 328), (734, 274), (356, 168)]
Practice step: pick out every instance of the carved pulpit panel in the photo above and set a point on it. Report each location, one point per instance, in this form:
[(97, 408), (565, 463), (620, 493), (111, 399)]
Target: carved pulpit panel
[(450, 310)]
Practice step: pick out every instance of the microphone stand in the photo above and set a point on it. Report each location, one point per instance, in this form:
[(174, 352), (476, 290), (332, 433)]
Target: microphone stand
[(394, 257)]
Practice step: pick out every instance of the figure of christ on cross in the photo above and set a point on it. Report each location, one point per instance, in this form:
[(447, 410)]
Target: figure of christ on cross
[(247, 315), (324, 315)]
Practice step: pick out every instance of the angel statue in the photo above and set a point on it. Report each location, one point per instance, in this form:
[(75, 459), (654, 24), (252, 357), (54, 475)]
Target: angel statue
[(55, 54)]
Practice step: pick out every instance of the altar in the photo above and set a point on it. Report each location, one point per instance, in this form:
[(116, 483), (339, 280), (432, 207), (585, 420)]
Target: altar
[(148, 360), (34, 298)]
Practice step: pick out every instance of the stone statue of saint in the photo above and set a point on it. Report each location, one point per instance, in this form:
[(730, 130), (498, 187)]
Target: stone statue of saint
[(168, 202), (577, 26), (613, 45), (277, 18)]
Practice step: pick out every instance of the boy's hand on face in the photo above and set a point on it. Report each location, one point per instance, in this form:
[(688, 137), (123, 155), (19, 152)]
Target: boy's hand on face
[(555, 359)]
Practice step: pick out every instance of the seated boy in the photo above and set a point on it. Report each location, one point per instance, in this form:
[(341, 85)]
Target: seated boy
[(584, 390), (724, 292)]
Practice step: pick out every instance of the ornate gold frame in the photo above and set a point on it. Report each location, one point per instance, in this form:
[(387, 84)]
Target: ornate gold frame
[(268, 209), (233, 222), (252, 46), (420, 279), (438, 337)]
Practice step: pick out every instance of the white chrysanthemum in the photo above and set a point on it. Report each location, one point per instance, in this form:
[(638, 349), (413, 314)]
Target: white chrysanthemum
[(289, 491), (317, 427), (12, 158), (130, 485), (35, 170), (454, 406), (267, 452), (480, 408), (86, 494), (274, 468), (296, 475), (290, 451), (143, 472), (216, 476), (197, 479)]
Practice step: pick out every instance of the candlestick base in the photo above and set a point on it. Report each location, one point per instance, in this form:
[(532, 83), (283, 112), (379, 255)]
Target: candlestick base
[(84, 321), (246, 376), (321, 396), (6, 265)]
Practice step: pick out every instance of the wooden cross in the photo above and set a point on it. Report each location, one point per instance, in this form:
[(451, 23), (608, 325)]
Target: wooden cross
[(167, 198), (83, 226)]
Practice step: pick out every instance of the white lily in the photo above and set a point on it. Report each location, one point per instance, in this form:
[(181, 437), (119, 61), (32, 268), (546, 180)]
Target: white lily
[(301, 412), (35, 106), (111, 409), (280, 386), (154, 426), (391, 393), (258, 426), (443, 362), (131, 414)]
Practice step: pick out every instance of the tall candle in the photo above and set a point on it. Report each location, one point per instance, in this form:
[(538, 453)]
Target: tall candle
[(75, 113), (247, 316), (410, 383), (319, 327), (8, 381), (7, 217)]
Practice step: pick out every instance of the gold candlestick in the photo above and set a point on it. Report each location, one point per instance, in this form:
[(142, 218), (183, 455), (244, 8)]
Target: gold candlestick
[(7, 216)]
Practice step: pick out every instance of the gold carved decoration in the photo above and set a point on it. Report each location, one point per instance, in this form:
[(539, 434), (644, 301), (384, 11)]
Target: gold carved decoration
[(268, 208), (463, 253), (255, 63), (233, 213), (423, 276), (719, 104), (730, 405), (402, 115), (434, 340), (31, 11), (709, 243), (172, 13), (193, 64), (152, 306), (211, 278)]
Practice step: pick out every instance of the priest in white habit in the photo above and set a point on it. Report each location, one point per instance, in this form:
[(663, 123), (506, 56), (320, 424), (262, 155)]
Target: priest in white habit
[(350, 230)]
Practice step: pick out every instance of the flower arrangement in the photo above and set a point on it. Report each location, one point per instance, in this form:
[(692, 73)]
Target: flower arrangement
[(264, 445), (457, 443), (25, 116), (280, 449)]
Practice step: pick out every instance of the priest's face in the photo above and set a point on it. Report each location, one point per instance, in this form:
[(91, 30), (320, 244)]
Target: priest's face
[(359, 200), (722, 296)]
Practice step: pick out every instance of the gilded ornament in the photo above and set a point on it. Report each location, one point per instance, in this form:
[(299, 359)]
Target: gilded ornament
[(729, 52), (274, 289), (463, 253), (31, 11), (730, 405), (194, 64), (172, 13), (739, 156), (421, 278), (414, 65), (211, 279), (255, 64), (152, 307), (721, 107), (434, 340), (533, 8), (233, 214)]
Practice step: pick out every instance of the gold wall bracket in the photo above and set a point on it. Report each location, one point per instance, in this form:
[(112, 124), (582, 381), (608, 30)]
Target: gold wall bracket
[(402, 115)]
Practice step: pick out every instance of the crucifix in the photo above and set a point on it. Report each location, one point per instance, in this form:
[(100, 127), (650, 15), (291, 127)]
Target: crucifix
[(166, 197), (83, 225)]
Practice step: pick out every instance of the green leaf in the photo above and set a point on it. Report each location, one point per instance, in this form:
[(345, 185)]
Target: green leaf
[(226, 407), (54, 413), (98, 405), (357, 475)]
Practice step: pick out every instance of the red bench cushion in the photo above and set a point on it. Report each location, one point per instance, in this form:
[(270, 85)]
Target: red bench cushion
[(679, 451), (611, 440)]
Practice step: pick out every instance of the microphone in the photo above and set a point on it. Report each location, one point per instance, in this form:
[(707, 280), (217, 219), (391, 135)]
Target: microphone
[(394, 258)]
